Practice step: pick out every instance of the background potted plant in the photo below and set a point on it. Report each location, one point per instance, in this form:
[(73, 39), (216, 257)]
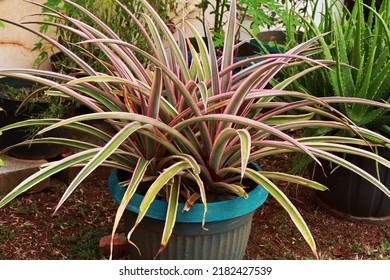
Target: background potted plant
[(110, 13), (358, 41), (189, 130), (23, 100), (283, 29)]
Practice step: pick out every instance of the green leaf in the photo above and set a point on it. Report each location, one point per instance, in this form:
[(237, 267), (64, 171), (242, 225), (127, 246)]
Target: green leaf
[(205, 71), (154, 106), (228, 46), (196, 65), (245, 122), (294, 179), (137, 176), (51, 169), (173, 203), (204, 94), (178, 138), (102, 155), (342, 162), (377, 90), (282, 199), (358, 36), (170, 40), (289, 118), (222, 141), (336, 147), (233, 188), (215, 79), (165, 176)]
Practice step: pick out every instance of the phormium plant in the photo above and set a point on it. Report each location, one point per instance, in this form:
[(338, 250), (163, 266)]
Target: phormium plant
[(189, 129)]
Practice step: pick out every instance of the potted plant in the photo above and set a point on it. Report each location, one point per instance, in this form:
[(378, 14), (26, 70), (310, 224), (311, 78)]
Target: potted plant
[(359, 45), (255, 13), (187, 132), (109, 13), (22, 100)]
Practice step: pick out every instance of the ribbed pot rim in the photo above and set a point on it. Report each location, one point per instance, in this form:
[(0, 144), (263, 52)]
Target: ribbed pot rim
[(216, 211)]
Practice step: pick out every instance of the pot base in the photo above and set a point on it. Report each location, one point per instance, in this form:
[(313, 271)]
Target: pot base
[(385, 220), (189, 241), (350, 196), (227, 224)]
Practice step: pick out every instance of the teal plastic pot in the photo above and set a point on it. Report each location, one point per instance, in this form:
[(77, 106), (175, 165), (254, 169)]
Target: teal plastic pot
[(228, 226)]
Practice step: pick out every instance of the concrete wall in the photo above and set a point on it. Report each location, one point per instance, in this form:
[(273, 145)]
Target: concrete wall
[(16, 44)]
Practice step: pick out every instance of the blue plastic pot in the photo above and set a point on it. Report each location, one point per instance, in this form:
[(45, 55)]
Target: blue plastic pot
[(228, 226)]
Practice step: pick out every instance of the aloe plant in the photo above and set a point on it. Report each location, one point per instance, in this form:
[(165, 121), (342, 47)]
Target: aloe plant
[(191, 122), (360, 46)]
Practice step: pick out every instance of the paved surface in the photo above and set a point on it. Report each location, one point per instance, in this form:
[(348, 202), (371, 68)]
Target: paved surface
[(16, 170)]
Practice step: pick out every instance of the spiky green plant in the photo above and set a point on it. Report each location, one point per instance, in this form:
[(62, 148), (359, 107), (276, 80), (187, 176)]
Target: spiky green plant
[(194, 122), (359, 42)]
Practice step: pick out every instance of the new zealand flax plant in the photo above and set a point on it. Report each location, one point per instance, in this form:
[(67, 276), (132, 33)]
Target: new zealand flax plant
[(188, 128)]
